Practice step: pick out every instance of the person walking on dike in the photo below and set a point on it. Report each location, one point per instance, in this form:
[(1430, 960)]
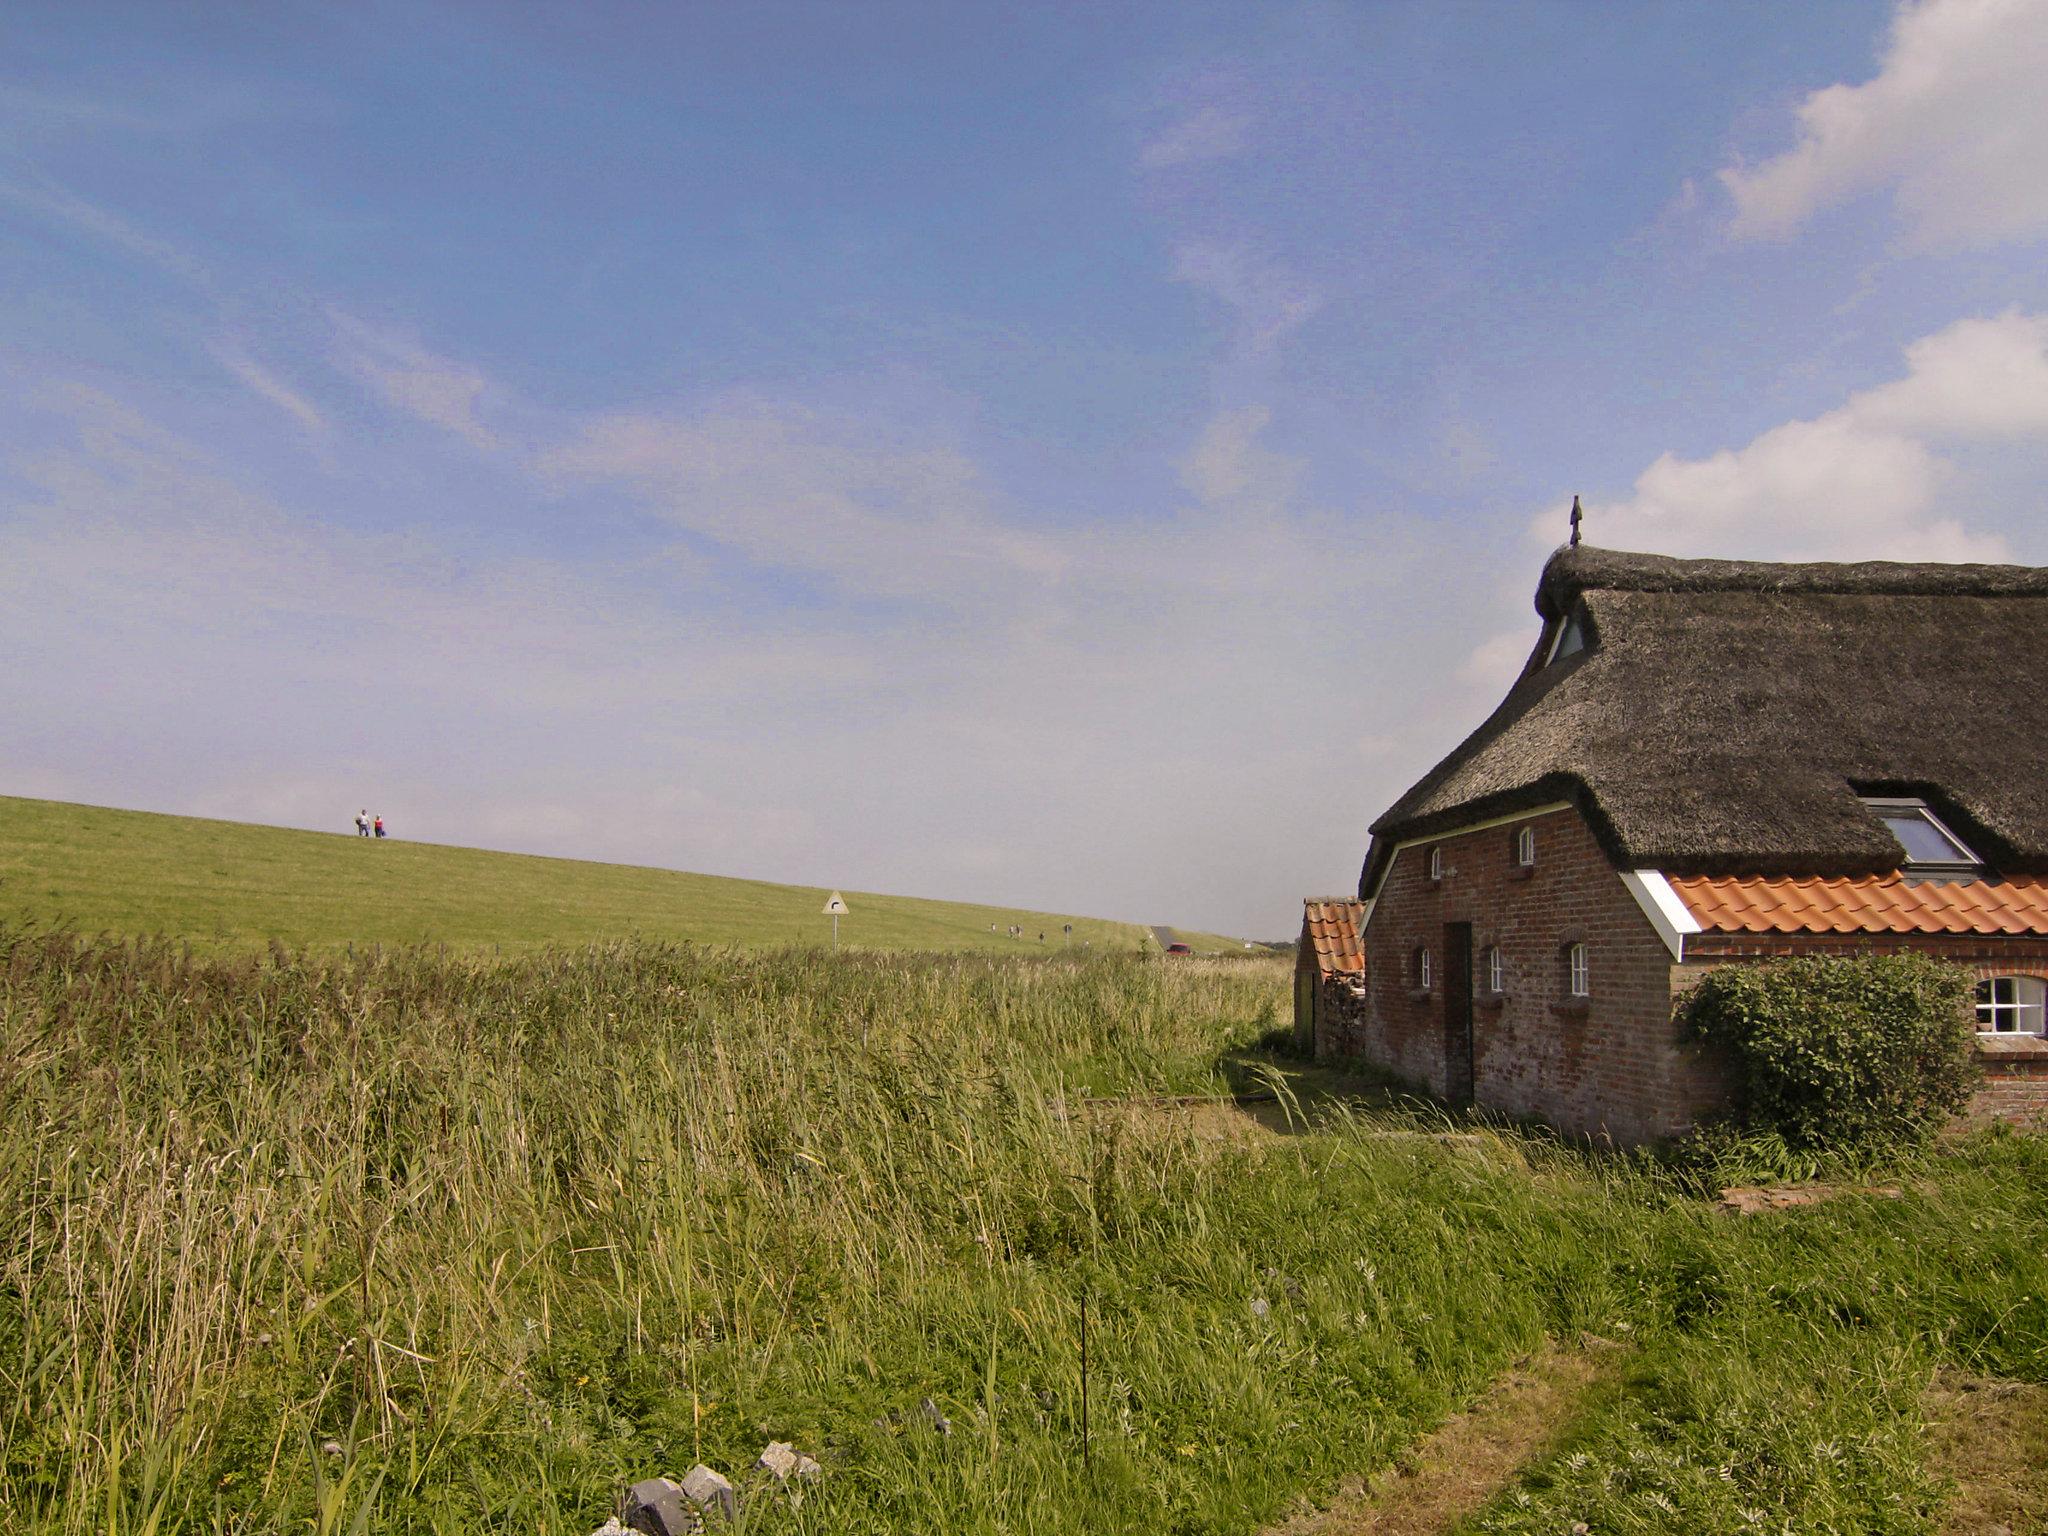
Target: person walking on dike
[(380, 823), (363, 823)]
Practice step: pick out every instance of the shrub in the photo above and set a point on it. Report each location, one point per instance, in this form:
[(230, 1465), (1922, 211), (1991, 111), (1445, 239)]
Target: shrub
[(1838, 1054)]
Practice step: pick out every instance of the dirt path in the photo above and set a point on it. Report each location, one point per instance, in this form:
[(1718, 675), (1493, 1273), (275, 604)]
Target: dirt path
[(1991, 1436), (1468, 1459)]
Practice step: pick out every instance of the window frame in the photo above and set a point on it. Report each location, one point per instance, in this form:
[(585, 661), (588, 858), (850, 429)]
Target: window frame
[(2029, 996), (1425, 969), (1578, 971), (1496, 971), (1436, 862), (1523, 848), (1884, 807)]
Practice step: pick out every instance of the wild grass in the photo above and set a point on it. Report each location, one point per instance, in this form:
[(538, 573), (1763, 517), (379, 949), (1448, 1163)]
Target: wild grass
[(408, 1243)]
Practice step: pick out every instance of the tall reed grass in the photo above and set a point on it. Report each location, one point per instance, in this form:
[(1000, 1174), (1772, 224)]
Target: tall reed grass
[(410, 1243)]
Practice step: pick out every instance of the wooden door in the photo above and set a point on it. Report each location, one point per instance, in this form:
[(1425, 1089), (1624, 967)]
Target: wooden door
[(1458, 1013)]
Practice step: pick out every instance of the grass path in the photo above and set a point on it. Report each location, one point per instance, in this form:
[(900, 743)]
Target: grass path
[(1991, 1437), (1468, 1459)]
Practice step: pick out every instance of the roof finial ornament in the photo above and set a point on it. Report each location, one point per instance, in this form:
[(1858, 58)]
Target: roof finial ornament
[(1577, 518)]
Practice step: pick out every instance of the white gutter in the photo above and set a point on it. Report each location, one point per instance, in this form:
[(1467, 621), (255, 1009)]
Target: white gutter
[(1667, 912)]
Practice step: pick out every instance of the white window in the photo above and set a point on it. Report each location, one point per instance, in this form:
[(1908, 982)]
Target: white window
[(1424, 973), (2011, 1005), (1578, 971), (1525, 847), (1929, 845), (1436, 863), (1496, 970)]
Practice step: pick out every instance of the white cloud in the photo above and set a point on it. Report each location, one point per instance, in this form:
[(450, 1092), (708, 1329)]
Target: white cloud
[(1955, 122), (1229, 466), (1209, 133), (799, 490), (437, 390), (1864, 481), (950, 703), (268, 386), (1490, 666), (1268, 301)]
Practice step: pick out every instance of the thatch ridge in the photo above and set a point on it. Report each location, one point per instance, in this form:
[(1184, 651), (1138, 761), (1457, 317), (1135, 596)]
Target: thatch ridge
[(1729, 713)]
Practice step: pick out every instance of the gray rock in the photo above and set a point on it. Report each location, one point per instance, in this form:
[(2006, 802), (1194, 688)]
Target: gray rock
[(612, 1527), (711, 1490), (657, 1507), (1261, 1308), (933, 1417), (331, 1447), (788, 1466)]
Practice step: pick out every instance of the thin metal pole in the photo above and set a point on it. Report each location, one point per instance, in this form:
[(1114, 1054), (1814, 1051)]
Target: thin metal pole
[(1085, 1461)]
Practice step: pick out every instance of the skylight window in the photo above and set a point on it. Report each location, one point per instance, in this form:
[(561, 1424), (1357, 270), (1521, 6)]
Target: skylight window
[(1929, 845)]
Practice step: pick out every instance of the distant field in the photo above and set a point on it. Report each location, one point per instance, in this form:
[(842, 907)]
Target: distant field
[(221, 882)]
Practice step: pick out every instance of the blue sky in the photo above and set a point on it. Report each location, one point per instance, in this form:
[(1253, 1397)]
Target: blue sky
[(1091, 458)]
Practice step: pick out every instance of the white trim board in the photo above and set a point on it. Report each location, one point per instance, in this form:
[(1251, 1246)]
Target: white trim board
[(1667, 913)]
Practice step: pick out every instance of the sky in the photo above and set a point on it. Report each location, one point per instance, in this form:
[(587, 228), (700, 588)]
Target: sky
[(1074, 457)]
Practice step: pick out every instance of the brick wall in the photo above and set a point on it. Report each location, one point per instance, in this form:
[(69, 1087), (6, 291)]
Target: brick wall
[(1610, 1066), (2015, 1066)]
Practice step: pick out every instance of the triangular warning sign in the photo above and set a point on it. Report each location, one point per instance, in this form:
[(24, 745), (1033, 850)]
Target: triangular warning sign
[(836, 907)]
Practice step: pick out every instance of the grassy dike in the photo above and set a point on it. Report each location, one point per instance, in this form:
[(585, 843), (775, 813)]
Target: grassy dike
[(508, 1234), (229, 885)]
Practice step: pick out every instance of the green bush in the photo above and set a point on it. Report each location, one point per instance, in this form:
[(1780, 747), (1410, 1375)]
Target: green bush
[(1842, 1054)]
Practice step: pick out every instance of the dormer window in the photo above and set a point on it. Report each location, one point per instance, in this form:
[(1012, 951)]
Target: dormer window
[(1571, 637), (1930, 847)]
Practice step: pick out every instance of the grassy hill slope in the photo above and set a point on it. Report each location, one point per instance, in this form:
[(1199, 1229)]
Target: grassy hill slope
[(114, 871)]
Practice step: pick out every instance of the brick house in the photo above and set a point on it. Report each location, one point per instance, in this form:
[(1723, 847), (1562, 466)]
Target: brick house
[(1705, 762)]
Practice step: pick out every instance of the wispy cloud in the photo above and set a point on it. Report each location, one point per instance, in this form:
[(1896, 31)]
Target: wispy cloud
[(1207, 133), (1865, 480), (1955, 123), (58, 205), (1268, 301), (437, 390), (266, 385)]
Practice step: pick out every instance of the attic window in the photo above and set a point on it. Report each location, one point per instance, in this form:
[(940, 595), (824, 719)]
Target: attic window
[(1571, 637), (1930, 846)]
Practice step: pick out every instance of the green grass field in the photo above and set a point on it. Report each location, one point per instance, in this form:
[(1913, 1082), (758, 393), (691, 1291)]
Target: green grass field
[(95, 870), (401, 1243)]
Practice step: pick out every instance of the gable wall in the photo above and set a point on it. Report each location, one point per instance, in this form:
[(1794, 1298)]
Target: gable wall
[(1611, 1067)]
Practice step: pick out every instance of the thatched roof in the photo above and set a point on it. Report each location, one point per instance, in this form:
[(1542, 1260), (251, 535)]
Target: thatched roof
[(1728, 713)]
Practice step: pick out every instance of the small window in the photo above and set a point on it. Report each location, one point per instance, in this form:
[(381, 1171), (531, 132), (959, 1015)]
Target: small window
[(1525, 848), (1571, 638), (1578, 971), (1436, 863), (1424, 973), (1496, 971), (2011, 1005), (1929, 845)]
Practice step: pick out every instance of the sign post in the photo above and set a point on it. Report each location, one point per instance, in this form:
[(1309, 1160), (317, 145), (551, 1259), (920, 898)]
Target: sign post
[(835, 909)]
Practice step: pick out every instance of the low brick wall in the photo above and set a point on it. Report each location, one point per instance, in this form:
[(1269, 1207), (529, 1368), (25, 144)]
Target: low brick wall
[(2015, 1080)]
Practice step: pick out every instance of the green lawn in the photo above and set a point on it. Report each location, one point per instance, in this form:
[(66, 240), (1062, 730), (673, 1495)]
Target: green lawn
[(130, 872)]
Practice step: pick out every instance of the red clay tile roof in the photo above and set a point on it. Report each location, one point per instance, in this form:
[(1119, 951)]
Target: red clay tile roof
[(1865, 904), (1330, 932)]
